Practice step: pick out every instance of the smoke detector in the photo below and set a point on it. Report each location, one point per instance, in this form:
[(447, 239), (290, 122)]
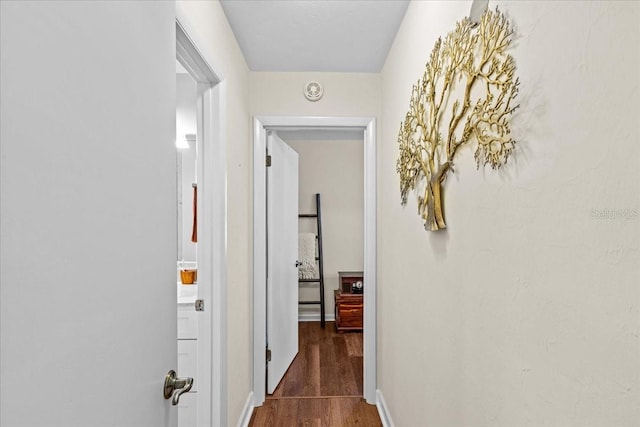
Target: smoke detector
[(313, 91)]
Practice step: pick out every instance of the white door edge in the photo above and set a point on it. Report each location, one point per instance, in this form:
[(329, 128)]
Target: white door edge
[(260, 126), (282, 280), (212, 244)]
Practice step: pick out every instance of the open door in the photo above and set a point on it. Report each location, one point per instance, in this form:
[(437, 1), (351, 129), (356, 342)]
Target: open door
[(282, 254), (88, 213)]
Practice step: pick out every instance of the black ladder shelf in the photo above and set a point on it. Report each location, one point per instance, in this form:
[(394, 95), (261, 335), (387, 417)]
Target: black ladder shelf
[(320, 279)]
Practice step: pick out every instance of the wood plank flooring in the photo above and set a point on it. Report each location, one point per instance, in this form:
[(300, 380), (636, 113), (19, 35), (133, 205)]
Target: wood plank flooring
[(316, 412), (323, 386)]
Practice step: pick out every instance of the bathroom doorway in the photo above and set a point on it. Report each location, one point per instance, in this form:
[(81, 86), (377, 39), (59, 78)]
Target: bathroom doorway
[(208, 196), (187, 230)]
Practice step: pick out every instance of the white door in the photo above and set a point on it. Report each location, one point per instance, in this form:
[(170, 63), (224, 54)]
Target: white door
[(282, 254), (88, 221)]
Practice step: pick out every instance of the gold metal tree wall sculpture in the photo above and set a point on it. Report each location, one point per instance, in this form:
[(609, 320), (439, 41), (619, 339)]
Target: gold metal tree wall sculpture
[(472, 69)]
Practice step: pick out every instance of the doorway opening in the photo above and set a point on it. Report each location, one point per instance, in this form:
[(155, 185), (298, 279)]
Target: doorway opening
[(210, 380), (187, 280), (366, 127), (331, 246)]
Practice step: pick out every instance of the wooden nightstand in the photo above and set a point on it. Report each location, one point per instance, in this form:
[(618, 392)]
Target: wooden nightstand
[(349, 306)]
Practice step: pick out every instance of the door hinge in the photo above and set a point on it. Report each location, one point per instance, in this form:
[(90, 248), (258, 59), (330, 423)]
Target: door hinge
[(268, 160), (268, 355), (199, 305)]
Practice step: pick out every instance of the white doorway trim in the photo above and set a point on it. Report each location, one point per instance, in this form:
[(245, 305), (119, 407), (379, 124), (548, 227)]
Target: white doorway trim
[(212, 236), (261, 124)]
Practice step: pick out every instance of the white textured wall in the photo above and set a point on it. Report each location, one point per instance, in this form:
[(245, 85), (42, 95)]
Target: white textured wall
[(525, 311), (345, 94), (206, 24), (335, 169)]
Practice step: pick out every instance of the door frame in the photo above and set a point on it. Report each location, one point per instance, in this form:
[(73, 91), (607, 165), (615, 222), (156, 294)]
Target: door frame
[(262, 124), (212, 245)]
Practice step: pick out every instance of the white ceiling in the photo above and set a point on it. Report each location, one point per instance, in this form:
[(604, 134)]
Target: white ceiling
[(315, 35)]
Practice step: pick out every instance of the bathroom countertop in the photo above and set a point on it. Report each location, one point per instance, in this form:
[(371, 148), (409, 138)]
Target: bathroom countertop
[(187, 294)]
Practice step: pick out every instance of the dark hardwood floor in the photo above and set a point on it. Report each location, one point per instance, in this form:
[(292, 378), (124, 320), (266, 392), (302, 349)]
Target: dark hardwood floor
[(328, 363), (323, 386), (316, 412)]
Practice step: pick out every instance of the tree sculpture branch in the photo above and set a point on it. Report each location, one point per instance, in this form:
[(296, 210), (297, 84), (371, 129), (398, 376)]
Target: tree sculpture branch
[(470, 67)]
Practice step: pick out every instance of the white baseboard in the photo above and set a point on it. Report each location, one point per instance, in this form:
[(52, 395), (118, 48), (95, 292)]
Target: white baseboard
[(247, 411), (315, 317), (383, 410)]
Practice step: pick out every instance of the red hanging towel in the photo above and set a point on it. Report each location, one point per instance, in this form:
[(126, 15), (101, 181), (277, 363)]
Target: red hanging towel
[(194, 232)]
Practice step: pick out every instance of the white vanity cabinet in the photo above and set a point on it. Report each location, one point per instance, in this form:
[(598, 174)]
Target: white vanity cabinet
[(187, 352)]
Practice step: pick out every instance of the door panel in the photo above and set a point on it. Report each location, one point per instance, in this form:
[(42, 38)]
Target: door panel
[(88, 218), (282, 253)]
